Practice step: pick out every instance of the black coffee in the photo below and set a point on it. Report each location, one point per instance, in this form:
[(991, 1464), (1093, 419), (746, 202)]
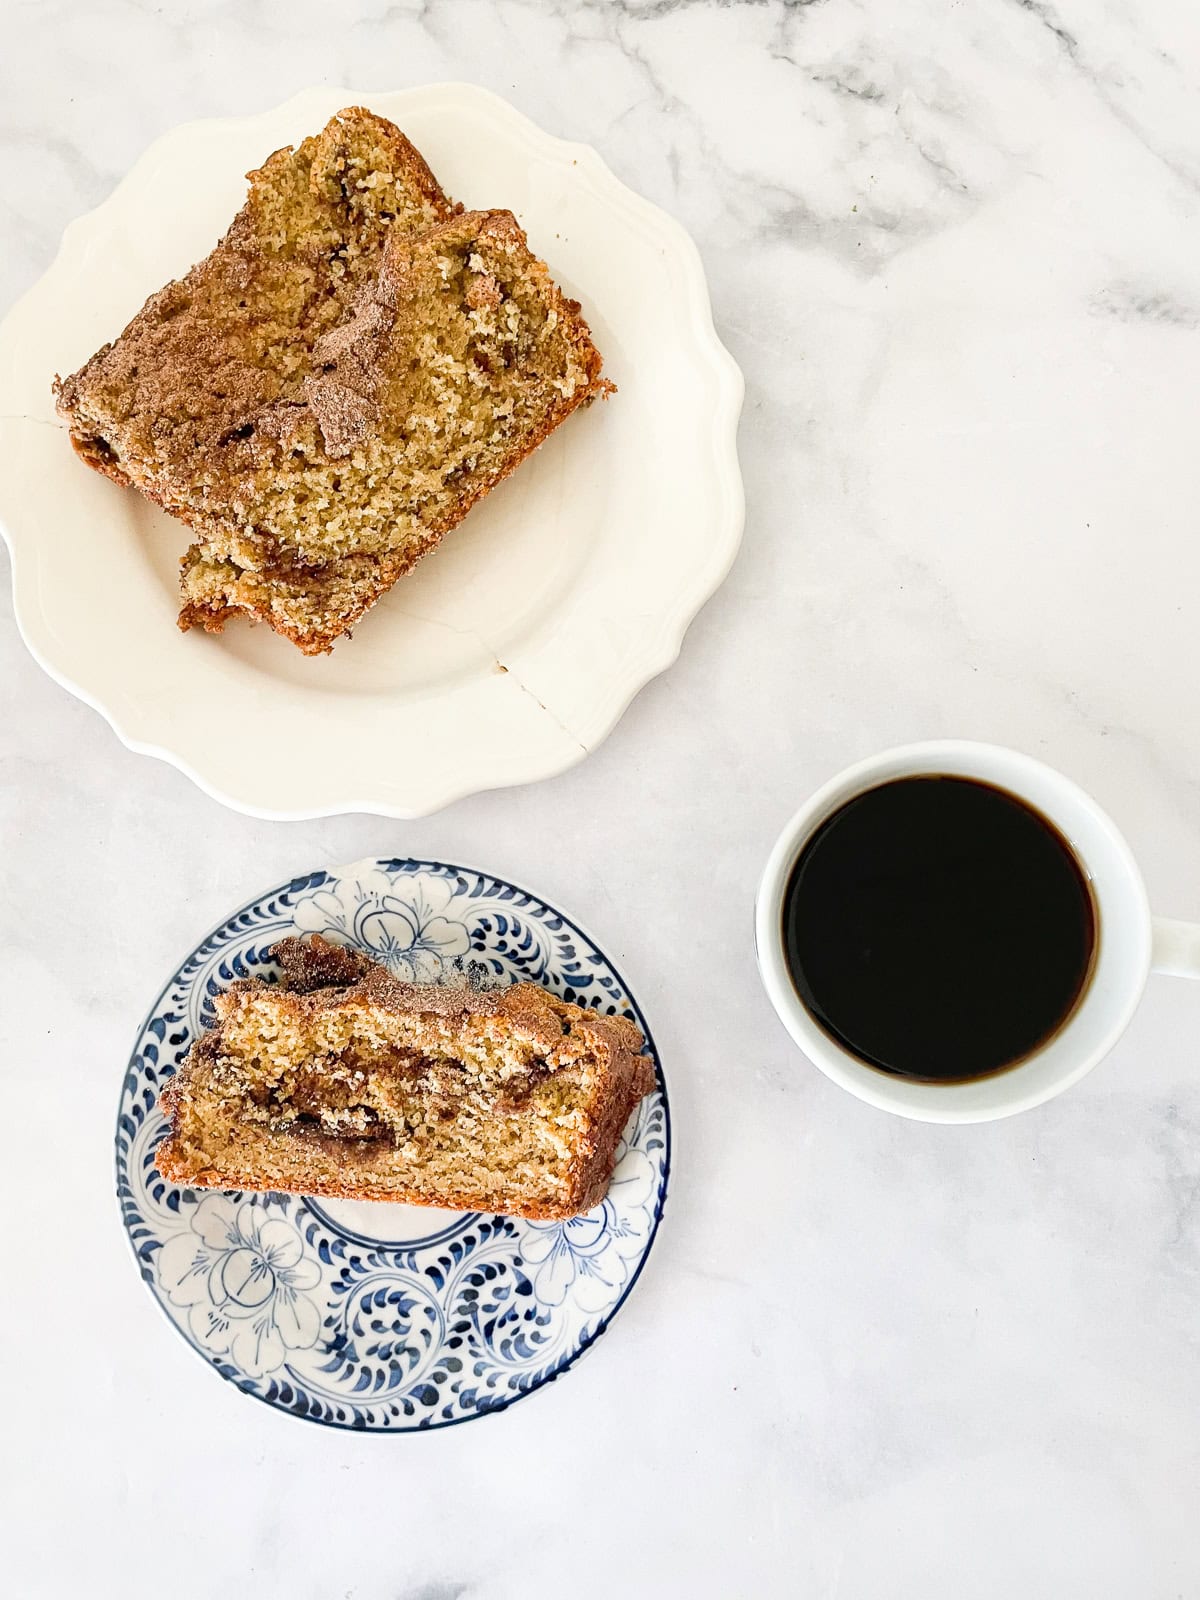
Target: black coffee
[(939, 928)]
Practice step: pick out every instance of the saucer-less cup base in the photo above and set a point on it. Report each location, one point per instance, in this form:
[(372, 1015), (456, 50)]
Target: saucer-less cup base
[(1126, 937)]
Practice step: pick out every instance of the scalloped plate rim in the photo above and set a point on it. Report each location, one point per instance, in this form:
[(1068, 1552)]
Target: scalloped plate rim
[(143, 733)]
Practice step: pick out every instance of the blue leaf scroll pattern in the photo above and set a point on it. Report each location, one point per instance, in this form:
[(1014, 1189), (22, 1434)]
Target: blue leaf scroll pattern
[(327, 1323)]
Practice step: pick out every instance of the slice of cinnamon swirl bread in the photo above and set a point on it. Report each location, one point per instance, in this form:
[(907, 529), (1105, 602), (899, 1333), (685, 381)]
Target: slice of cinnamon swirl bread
[(330, 391), (339, 1080)]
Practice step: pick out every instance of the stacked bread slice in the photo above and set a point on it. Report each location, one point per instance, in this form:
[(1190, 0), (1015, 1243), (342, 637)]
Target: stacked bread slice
[(329, 392)]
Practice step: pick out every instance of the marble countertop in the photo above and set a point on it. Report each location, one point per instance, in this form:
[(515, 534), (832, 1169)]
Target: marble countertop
[(954, 248)]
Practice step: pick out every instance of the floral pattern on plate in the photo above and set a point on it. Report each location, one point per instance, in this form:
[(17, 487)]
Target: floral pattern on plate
[(445, 1316)]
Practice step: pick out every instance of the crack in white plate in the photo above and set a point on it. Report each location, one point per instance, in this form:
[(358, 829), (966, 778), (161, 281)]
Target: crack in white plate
[(509, 653)]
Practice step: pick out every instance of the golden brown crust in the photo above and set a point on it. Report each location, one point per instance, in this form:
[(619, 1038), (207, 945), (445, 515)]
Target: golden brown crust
[(405, 156), (161, 405), (343, 397), (319, 977), (591, 1189), (202, 401), (359, 581)]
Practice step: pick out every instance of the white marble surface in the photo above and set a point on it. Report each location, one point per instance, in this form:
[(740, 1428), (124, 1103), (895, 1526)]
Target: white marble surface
[(954, 247)]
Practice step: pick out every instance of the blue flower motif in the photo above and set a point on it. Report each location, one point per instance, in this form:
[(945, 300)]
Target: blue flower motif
[(241, 1274), (589, 1257), (410, 935), (370, 1318)]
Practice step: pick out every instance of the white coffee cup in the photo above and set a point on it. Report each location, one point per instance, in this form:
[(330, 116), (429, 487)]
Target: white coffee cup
[(1130, 942)]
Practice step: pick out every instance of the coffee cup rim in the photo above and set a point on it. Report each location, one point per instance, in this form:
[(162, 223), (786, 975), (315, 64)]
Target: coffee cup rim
[(1124, 935)]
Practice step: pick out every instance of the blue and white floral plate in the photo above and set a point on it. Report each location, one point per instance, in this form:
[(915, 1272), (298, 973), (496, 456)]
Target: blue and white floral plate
[(378, 1317)]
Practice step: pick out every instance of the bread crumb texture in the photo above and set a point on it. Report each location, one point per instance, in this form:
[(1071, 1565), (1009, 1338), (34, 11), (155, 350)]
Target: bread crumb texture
[(332, 389), (341, 1081)]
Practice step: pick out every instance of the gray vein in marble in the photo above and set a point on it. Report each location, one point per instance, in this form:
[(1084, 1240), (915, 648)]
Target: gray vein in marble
[(1129, 302), (843, 85), (651, 10), (1073, 50), (1047, 18), (86, 176), (1176, 1143), (870, 230), (781, 48)]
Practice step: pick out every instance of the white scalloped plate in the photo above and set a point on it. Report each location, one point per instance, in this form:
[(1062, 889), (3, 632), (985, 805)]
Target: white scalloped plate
[(515, 647)]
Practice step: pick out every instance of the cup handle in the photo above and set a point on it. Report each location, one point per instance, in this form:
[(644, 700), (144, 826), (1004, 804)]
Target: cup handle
[(1176, 948)]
